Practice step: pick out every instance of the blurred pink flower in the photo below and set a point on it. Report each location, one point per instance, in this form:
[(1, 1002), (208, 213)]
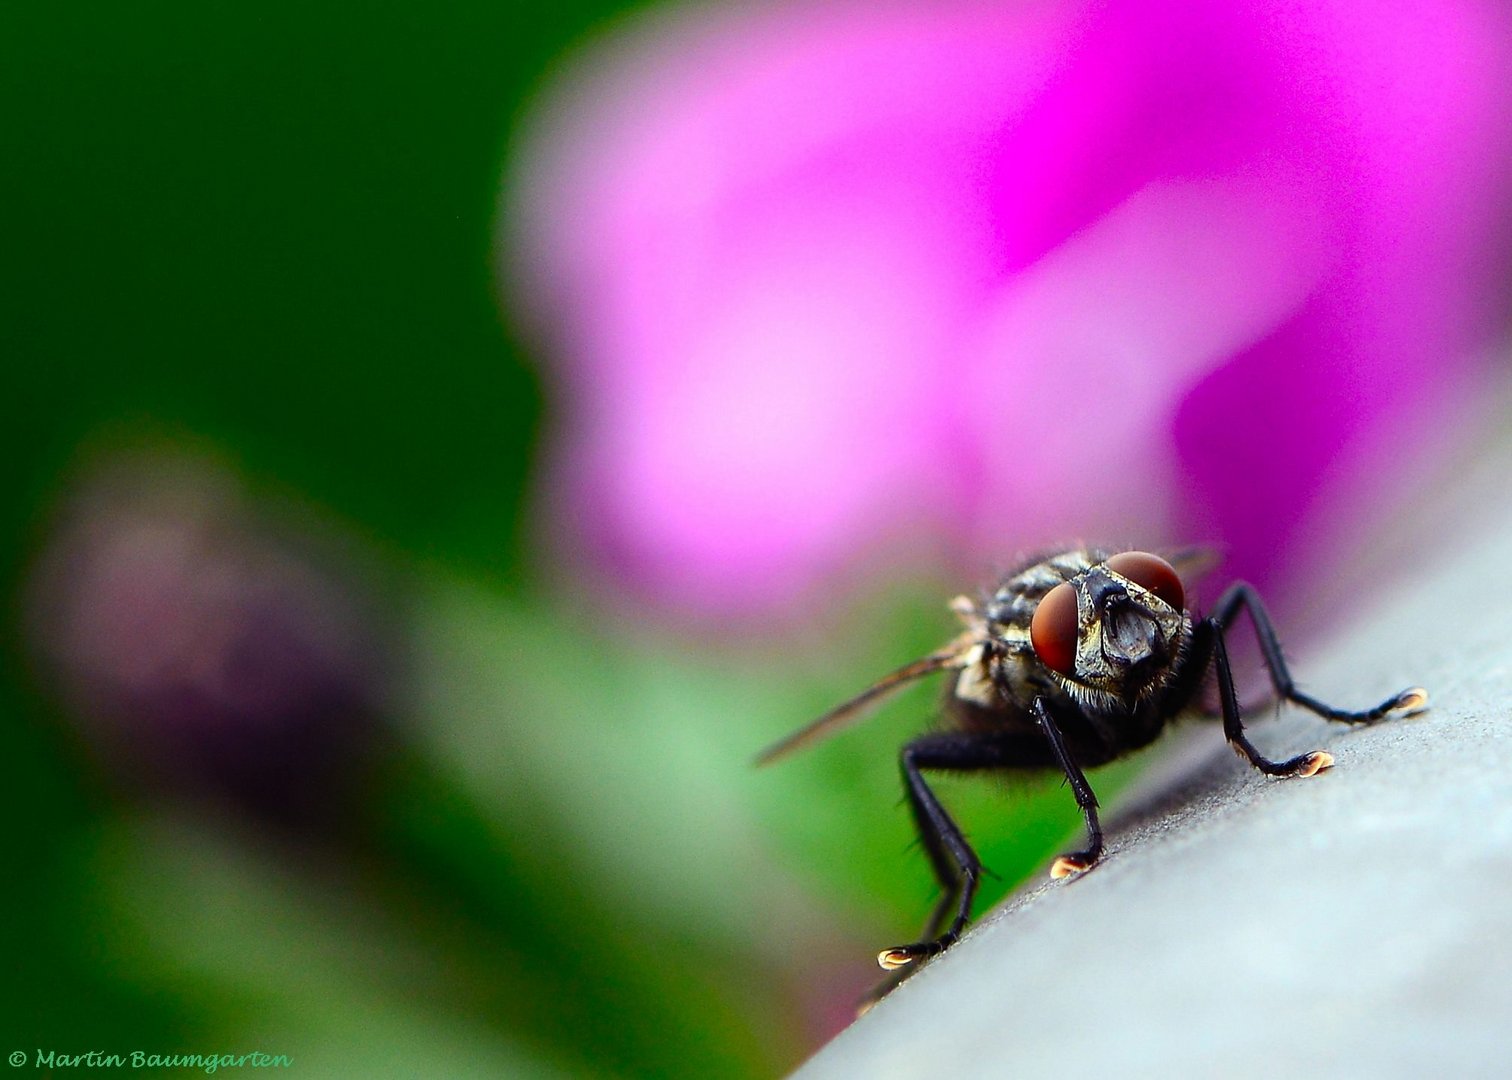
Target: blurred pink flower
[(821, 277)]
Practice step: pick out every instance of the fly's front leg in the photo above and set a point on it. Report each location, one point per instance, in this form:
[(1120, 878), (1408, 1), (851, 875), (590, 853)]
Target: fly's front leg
[(1233, 723), (1239, 595), (1077, 861)]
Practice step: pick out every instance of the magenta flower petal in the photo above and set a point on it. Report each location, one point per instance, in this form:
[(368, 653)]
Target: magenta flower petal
[(824, 276)]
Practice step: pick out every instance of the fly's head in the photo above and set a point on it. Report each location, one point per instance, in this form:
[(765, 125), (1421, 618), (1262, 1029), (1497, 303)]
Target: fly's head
[(1118, 628)]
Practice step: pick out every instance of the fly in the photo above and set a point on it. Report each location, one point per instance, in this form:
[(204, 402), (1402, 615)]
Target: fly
[(1073, 661)]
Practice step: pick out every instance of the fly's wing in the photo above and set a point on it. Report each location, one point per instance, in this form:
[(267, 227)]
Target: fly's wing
[(848, 712), (1192, 563)]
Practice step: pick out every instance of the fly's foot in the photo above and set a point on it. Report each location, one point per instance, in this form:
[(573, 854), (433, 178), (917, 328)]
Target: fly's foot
[(1310, 764), (1078, 862), (1409, 702), (903, 955), (1304, 764)]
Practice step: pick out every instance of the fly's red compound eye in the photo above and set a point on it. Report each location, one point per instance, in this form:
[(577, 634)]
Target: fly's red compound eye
[(1150, 572), (1052, 631)]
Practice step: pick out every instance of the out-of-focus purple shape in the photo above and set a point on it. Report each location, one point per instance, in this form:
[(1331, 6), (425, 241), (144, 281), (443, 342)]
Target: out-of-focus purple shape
[(202, 650), (825, 275)]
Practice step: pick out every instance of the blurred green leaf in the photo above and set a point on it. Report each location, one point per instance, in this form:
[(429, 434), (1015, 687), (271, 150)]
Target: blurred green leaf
[(285, 964)]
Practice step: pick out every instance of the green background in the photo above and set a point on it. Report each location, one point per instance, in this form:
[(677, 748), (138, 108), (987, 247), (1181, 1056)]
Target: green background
[(263, 234)]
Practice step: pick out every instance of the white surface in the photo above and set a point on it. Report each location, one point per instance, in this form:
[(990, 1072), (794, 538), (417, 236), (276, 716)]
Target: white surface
[(1357, 923)]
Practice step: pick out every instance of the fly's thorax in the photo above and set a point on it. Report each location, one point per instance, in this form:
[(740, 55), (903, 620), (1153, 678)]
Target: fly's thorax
[(1012, 604), (1002, 680), (975, 684)]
